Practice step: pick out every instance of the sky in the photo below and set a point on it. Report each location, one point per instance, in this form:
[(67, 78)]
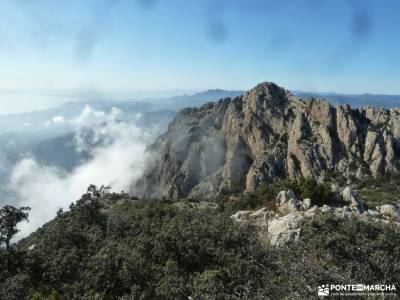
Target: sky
[(118, 46)]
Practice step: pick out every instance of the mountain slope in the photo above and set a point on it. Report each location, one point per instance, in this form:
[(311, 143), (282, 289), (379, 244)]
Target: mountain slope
[(268, 134)]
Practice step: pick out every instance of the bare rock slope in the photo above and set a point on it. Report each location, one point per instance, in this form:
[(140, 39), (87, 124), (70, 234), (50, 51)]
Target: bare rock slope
[(265, 135)]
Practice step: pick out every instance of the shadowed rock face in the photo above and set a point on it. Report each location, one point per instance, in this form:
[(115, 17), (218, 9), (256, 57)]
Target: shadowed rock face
[(268, 134)]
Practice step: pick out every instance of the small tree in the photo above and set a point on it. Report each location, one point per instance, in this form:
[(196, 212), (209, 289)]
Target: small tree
[(9, 219), (90, 203), (97, 193)]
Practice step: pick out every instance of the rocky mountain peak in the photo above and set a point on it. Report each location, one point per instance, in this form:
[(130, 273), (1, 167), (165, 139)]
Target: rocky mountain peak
[(268, 92), (266, 96), (266, 135)]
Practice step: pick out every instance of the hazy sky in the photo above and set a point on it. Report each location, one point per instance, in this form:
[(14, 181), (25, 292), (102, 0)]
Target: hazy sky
[(340, 46)]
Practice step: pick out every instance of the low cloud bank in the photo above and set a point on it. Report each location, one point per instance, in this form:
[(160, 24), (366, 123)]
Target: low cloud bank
[(118, 156)]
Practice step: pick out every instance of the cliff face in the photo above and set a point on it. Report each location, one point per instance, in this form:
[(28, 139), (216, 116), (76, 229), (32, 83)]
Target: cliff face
[(266, 135)]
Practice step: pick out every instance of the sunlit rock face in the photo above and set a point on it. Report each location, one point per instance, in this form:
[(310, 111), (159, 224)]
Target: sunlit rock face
[(266, 135)]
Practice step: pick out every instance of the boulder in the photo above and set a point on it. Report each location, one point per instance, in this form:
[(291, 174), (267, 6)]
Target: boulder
[(372, 212), (282, 198), (285, 229), (350, 197), (241, 215), (286, 202), (326, 208), (305, 204), (312, 211), (389, 210), (262, 213)]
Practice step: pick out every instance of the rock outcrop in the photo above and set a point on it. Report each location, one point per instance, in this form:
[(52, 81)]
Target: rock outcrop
[(284, 226), (390, 211), (286, 202), (351, 198), (266, 135)]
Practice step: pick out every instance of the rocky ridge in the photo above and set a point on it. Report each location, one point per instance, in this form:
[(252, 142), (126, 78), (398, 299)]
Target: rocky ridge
[(285, 225), (268, 134)]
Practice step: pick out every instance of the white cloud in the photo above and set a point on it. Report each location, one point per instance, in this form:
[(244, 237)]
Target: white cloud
[(118, 160), (58, 120), (115, 112), (26, 124), (89, 116), (99, 114), (83, 117)]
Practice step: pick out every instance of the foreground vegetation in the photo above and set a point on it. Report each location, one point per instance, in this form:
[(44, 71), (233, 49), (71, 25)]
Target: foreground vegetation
[(114, 247), (381, 190)]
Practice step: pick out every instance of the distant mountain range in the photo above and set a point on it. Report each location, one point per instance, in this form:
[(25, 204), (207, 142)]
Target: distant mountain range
[(386, 101), (41, 119), (37, 122), (179, 102)]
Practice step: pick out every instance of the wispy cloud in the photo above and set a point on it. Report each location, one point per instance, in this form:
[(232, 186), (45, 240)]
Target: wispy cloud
[(58, 120), (118, 160)]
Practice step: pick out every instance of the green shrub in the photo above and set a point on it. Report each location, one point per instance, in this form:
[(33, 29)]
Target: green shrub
[(265, 194), (342, 251), (380, 190), (153, 250), (319, 193)]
